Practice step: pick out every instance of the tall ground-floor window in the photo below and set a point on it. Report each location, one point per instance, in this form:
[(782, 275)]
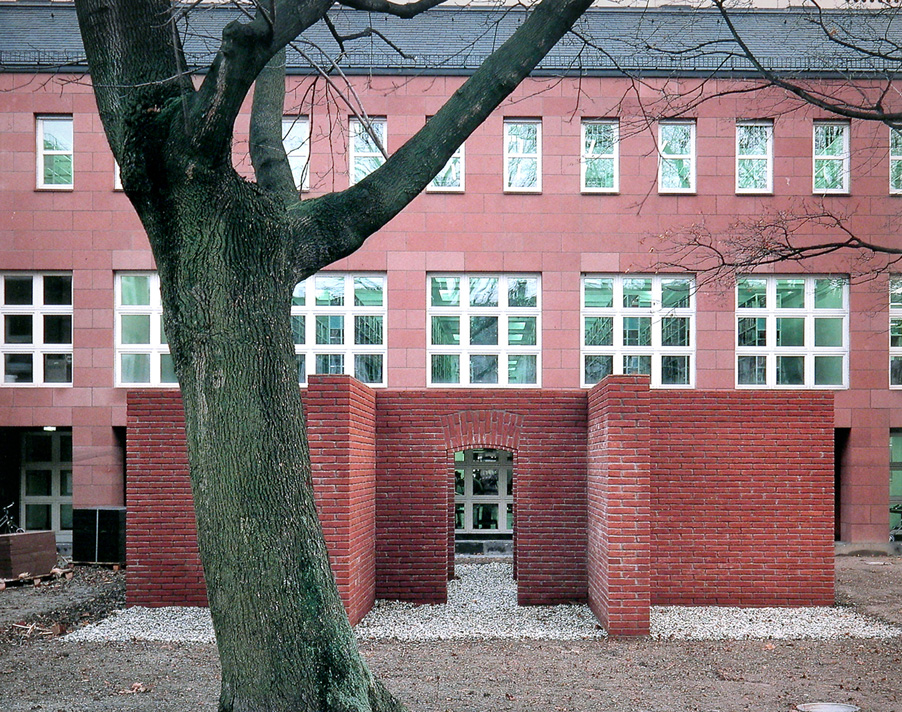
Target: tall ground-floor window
[(895, 484), (483, 492), (46, 483)]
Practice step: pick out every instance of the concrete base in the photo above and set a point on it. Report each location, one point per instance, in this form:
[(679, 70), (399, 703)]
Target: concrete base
[(872, 548), (496, 547)]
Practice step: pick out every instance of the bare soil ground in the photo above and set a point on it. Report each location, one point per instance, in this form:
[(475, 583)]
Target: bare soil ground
[(38, 672)]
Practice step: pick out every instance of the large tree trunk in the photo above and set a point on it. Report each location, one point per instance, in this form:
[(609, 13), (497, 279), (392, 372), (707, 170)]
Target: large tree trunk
[(229, 253), (284, 639)]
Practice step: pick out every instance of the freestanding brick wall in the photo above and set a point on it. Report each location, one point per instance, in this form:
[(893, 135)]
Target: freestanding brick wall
[(624, 496), (163, 563), (619, 510), (341, 427), (164, 566), (742, 498), (417, 434)]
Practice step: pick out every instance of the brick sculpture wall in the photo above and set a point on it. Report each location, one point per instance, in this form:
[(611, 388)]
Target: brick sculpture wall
[(341, 427), (624, 497), (742, 498), (417, 435), (619, 510), (164, 566), (163, 563)]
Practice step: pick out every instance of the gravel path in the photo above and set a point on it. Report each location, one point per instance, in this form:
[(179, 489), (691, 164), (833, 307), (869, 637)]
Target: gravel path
[(482, 604)]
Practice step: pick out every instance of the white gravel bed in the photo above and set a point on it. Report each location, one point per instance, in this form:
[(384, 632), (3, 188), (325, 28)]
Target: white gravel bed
[(482, 603)]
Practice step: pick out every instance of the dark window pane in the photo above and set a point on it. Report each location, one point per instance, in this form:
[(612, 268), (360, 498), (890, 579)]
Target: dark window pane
[(57, 290), (752, 370), (18, 368), (58, 368), (675, 370), (18, 329), (38, 447), (330, 363), (57, 329), (485, 482), (599, 330), (637, 365), (18, 290), (484, 369), (521, 368), (484, 330), (445, 368), (38, 483), (37, 516), (368, 330), (790, 370), (598, 366), (368, 368), (485, 516)]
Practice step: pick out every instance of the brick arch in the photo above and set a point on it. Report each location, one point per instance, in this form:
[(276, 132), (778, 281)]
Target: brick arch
[(467, 429)]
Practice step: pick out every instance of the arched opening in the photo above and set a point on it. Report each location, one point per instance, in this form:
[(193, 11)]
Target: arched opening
[(484, 501)]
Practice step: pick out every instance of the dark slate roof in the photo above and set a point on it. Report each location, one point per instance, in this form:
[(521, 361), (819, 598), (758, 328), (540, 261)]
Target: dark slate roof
[(36, 34)]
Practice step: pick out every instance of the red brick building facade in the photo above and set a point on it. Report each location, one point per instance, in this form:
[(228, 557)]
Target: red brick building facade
[(535, 266)]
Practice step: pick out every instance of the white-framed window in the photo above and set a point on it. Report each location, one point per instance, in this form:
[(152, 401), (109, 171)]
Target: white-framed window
[(792, 331), (676, 157), (142, 352), (37, 328), (451, 178), (45, 496), (364, 155), (55, 145), (484, 330), (117, 175), (599, 170), (296, 142), (639, 324), (338, 325), (483, 491), (895, 160), (895, 332), (895, 484), (831, 157), (754, 156), (522, 155)]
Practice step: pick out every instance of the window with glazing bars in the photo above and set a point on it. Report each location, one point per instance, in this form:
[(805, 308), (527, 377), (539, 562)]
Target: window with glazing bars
[(792, 331), (484, 330), (638, 324)]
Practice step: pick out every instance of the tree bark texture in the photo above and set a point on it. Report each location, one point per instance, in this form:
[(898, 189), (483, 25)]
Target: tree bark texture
[(229, 252)]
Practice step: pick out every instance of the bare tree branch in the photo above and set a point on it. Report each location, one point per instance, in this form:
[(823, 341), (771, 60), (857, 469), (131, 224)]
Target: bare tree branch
[(831, 103), (383, 194), (405, 10), (747, 246), (368, 32), (265, 141)]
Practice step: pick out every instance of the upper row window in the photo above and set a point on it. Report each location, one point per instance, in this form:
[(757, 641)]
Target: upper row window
[(599, 170), (54, 151)]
